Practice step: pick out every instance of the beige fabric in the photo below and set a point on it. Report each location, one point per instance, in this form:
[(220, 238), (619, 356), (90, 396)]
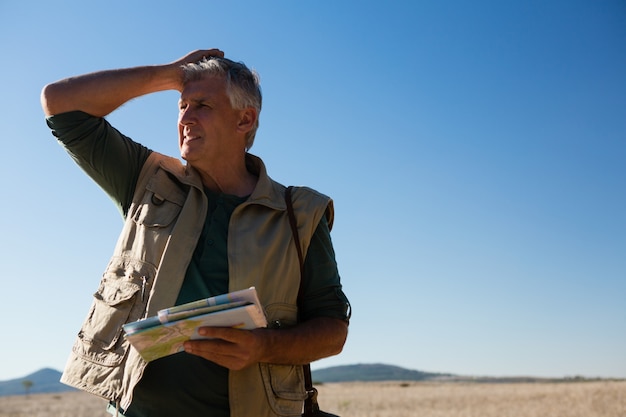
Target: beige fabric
[(148, 267)]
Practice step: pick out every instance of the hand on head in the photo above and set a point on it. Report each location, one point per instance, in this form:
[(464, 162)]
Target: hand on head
[(199, 55)]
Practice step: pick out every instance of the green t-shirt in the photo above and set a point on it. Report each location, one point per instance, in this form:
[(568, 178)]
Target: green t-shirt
[(185, 384)]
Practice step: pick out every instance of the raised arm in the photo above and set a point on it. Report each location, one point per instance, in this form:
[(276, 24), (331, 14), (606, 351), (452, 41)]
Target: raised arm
[(102, 92)]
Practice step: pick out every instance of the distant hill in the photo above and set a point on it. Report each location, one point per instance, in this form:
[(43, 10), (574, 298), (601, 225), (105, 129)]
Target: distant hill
[(372, 372), (47, 380), (44, 381)]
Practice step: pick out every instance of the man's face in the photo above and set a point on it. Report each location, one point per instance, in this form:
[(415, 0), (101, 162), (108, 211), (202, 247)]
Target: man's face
[(207, 123)]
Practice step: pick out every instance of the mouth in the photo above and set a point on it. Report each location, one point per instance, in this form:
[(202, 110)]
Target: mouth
[(190, 138)]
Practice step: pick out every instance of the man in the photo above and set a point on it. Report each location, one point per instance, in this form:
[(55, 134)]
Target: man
[(215, 224)]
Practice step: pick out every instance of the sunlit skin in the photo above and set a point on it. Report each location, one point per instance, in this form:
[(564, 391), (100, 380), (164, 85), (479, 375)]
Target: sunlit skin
[(207, 123), (212, 135)]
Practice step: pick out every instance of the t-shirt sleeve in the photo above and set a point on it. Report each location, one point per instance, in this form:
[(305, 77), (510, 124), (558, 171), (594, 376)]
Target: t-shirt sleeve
[(323, 295), (111, 159)]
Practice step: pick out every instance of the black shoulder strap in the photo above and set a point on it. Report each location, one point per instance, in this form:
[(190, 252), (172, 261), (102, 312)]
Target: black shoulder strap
[(310, 404), (294, 231)]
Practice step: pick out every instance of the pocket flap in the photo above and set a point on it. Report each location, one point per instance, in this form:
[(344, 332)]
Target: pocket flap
[(115, 291), (166, 190)]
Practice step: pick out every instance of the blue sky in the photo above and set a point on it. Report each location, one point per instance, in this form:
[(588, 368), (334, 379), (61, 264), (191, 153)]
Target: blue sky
[(475, 152)]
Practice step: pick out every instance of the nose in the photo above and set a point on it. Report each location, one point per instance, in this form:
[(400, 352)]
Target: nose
[(185, 116)]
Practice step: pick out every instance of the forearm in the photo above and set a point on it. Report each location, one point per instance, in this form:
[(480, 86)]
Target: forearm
[(307, 342), (102, 92), (237, 349)]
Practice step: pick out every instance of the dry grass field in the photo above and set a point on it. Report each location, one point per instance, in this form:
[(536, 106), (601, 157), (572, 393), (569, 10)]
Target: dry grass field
[(428, 399), (395, 399)]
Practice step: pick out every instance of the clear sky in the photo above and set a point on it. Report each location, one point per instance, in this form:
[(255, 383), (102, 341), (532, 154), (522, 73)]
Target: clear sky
[(475, 150)]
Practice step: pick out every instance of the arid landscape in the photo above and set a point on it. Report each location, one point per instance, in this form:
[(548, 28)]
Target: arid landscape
[(398, 399)]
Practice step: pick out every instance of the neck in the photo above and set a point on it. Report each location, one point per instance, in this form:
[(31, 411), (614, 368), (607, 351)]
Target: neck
[(227, 178)]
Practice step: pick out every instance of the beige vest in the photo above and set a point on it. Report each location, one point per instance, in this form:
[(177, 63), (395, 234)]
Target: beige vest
[(147, 270)]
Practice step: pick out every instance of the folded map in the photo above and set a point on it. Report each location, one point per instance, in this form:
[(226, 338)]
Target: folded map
[(165, 333)]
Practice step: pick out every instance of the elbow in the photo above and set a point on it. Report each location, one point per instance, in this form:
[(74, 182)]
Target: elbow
[(47, 98), (341, 335), (338, 349), (57, 98)]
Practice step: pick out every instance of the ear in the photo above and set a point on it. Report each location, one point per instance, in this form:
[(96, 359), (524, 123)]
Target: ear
[(247, 119)]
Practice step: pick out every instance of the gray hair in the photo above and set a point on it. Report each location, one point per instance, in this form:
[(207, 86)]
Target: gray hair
[(242, 84)]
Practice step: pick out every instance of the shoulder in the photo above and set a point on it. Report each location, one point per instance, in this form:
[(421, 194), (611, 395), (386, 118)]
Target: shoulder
[(158, 170), (308, 200), (303, 193)]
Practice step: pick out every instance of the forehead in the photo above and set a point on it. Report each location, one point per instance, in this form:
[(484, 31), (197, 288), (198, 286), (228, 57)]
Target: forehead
[(204, 88)]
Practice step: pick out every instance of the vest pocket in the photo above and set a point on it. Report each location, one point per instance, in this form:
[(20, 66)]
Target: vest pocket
[(161, 202), (115, 302), (284, 384), (284, 388)]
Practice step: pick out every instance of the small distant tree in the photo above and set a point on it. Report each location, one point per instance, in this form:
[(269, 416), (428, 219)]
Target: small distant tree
[(28, 384)]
